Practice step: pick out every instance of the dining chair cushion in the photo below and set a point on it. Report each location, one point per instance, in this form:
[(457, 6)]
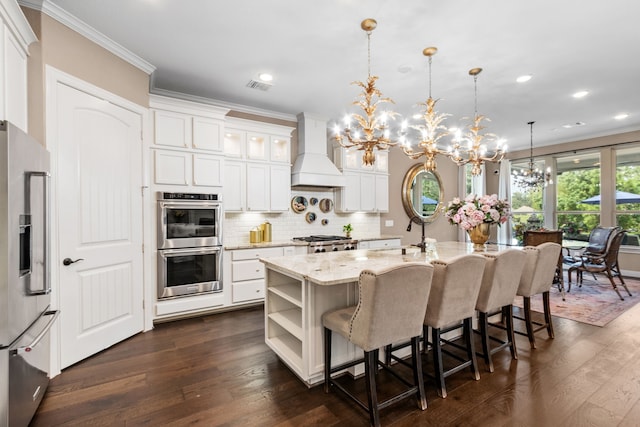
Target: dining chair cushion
[(391, 305), (539, 269), (500, 279), (454, 289)]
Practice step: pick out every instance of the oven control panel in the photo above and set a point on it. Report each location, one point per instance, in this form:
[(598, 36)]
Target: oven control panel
[(189, 196)]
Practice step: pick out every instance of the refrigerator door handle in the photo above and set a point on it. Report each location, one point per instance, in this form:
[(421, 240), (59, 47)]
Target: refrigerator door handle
[(27, 348), (46, 231)]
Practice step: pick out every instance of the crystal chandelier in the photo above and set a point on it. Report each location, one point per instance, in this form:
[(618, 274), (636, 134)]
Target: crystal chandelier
[(529, 179), (471, 147), (432, 129), (370, 131)]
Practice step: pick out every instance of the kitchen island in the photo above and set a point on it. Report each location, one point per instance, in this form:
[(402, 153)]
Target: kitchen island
[(300, 288)]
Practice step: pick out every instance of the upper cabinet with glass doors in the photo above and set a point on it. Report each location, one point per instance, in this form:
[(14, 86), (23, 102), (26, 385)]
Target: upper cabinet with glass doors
[(257, 141)]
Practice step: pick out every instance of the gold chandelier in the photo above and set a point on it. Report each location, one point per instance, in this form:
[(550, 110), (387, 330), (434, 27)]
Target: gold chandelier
[(471, 147), (371, 130), (532, 178), (432, 130)]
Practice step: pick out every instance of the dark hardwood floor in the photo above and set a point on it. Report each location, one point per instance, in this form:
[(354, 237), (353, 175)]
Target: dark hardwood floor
[(217, 371)]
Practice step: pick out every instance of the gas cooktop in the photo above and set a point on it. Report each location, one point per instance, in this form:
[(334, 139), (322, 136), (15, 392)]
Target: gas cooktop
[(321, 238)]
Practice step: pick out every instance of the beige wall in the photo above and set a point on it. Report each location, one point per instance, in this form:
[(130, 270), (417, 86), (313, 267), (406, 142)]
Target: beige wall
[(68, 51), (439, 229)]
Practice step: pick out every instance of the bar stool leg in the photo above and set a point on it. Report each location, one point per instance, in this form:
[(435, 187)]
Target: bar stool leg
[(370, 367), (528, 321), (484, 334), (436, 348), (547, 314), (471, 351), (418, 380), (327, 359), (511, 335)]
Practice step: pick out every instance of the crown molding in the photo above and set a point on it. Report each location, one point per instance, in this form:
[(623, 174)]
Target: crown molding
[(223, 104), (67, 19), (16, 22)]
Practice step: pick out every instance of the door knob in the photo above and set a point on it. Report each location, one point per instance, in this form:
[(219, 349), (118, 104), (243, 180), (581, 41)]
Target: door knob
[(69, 261)]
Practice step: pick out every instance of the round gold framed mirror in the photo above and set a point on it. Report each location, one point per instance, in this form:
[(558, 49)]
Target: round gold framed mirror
[(422, 194)]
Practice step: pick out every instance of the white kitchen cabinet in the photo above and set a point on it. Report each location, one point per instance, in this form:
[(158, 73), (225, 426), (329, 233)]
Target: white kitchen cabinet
[(263, 183), (257, 141), (348, 197), (171, 167), (380, 244), (258, 189), (363, 192), (245, 274), (367, 186), (350, 159), (207, 170), (187, 131), (187, 125), (234, 187), (280, 187), (172, 129), (184, 168), (15, 37), (382, 192)]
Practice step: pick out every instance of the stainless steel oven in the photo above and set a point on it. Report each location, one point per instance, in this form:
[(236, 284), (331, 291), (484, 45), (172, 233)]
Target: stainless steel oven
[(189, 271), (189, 244), (189, 220)]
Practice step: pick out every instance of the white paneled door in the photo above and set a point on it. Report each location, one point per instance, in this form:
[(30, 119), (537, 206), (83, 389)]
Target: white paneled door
[(99, 217)]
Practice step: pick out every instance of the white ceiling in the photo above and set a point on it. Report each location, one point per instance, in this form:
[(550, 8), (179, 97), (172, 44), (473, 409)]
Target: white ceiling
[(315, 49)]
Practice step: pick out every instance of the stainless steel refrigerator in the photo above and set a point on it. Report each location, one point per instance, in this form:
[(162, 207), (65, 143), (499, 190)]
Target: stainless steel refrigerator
[(25, 314)]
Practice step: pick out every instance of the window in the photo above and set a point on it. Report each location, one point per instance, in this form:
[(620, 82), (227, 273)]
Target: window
[(473, 184), (578, 194), (526, 204), (628, 193)]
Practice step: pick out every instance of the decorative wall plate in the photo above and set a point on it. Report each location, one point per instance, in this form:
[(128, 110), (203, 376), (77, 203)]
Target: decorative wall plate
[(325, 221), (299, 204), (313, 201), (310, 217), (326, 205)]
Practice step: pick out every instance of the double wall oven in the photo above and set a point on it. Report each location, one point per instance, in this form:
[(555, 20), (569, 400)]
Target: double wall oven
[(189, 244)]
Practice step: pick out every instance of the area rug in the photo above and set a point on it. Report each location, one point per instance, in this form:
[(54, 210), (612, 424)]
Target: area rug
[(595, 303)]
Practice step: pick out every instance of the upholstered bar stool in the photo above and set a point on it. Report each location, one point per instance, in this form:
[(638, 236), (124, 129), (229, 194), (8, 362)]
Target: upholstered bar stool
[(499, 286), (391, 306), (537, 278), (454, 292)]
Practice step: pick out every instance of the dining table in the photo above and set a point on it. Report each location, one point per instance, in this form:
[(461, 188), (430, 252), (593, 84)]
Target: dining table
[(300, 288)]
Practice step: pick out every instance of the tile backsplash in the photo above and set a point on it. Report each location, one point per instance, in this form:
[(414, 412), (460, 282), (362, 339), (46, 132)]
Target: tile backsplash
[(287, 225)]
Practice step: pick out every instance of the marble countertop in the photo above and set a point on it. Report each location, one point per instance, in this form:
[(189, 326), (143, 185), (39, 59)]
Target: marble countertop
[(275, 244), (279, 243), (332, 268)]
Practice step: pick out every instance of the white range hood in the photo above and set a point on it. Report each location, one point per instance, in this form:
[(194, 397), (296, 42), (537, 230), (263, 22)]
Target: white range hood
[(312, 166)]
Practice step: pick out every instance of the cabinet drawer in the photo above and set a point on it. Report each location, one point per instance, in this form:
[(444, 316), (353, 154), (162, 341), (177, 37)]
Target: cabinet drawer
[(248, 291), (247, 270), (244, 254)]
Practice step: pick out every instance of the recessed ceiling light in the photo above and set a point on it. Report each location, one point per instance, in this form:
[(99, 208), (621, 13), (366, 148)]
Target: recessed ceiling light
[(417, 116), (404, 69), (581, 94), (265, 77), (621, 116), (524, 78), (567, 126)]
